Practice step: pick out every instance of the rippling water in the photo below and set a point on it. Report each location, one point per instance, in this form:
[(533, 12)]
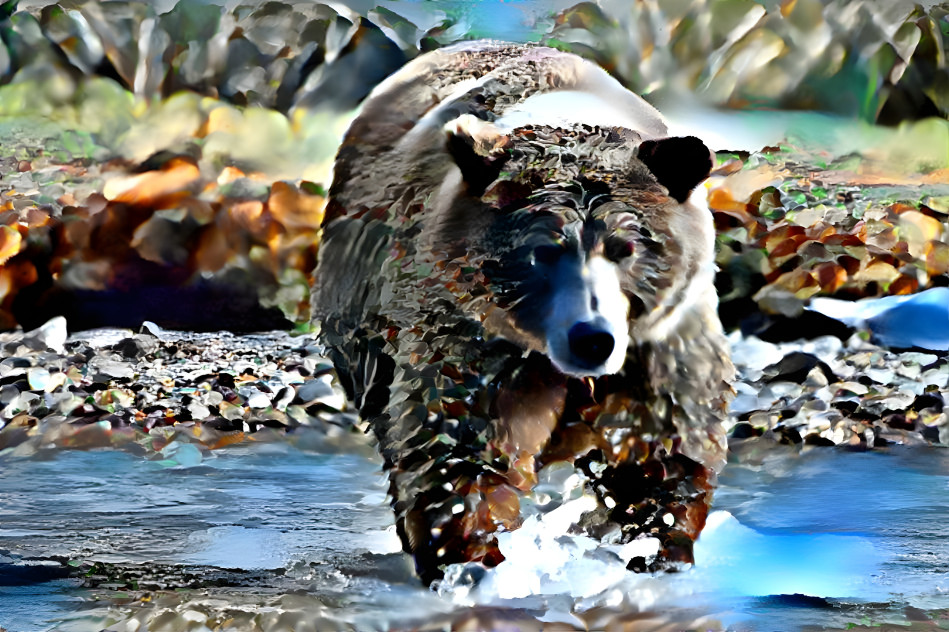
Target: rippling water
[(283, 539)]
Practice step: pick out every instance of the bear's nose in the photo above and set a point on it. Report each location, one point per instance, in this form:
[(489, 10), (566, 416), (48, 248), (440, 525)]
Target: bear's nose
[(590, 343)]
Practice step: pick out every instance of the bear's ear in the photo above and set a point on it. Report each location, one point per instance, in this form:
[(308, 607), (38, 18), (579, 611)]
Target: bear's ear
[(679, 163), (478, 148)]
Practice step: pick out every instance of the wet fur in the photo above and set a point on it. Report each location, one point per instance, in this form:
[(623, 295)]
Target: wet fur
[(453, 230)]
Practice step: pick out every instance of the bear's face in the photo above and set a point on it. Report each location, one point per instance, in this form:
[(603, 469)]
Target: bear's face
[(577, 243)]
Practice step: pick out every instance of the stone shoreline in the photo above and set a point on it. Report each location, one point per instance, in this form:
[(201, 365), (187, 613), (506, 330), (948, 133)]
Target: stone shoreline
[(155, 391)]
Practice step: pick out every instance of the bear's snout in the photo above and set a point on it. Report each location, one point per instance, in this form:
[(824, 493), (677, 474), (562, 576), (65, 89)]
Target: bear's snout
[(586, 327), (591, 343)]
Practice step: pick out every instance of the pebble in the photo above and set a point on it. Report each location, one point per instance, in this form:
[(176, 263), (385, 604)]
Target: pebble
[(844, 392), (169, 380)]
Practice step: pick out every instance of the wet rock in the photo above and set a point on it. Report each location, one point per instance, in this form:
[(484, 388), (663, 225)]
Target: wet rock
[(899, 421), (637, 564), (312, 390), (805, 325), (814, 439), (795, 367), (787, 435), (255, 398), (744, 430), (930, 433), (106, 369), (136, 346), (17, 571), (52, 335), (928, 400)]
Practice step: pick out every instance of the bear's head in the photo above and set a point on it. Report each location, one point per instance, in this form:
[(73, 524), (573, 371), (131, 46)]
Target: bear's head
[(576, 243)]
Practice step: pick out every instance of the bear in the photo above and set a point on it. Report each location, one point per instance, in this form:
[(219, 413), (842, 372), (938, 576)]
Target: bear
[(517, 268)]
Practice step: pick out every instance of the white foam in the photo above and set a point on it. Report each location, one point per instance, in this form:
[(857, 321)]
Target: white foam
[(543, 558), (542, 561)]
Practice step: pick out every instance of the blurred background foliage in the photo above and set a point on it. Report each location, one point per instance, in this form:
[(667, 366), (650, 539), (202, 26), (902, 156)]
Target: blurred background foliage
[(882, 60), (166, 160)]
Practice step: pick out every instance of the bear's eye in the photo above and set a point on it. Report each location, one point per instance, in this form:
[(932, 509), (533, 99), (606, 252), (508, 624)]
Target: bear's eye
[(616, 248), (548, 254)]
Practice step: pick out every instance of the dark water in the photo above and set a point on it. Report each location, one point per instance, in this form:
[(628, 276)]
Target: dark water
[(285, 533)]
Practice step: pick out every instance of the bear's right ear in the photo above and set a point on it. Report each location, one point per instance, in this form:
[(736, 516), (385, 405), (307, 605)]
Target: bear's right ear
[(679, 163), (479, 150)]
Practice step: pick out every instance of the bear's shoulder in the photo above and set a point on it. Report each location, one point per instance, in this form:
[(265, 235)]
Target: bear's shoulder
[(398, 137)]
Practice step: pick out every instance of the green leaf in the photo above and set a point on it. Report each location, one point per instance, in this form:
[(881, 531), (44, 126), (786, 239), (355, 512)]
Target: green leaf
[(313, 188), (8, 8)]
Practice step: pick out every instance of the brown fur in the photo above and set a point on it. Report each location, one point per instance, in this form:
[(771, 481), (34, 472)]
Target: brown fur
[(434, 295)]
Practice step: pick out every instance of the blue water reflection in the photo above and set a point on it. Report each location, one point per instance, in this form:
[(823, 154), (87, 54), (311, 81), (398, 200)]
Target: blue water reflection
[(863, 534)]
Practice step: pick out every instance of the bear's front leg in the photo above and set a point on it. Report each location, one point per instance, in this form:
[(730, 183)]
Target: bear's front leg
[(657, 492), (625, 439), (451, 514), (461, 452)]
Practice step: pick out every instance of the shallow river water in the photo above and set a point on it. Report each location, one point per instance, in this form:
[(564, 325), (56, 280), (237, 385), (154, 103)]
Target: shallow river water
[(272, 537)]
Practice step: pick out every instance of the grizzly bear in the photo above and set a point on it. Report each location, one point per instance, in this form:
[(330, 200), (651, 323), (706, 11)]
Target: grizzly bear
[(516, 269)]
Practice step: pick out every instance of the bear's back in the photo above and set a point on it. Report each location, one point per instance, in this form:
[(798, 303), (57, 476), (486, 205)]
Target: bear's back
[(395, 148)]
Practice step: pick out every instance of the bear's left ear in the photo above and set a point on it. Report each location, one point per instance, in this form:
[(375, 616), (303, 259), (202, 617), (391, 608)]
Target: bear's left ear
[(478, 148), (680, 163)]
